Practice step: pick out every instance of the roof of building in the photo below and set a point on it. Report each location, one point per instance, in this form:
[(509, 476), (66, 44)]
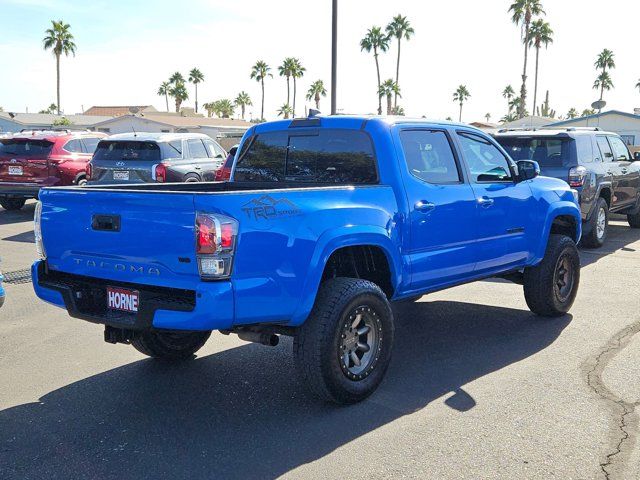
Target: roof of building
[(550, 131), (37, 119), (530, 121), (185, 122), (118, 110), (597, 115)]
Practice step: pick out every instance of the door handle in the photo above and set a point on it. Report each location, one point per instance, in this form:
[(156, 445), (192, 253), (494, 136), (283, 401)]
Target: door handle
[(625, 171), (197, 167), (424, 206), (485, 202)]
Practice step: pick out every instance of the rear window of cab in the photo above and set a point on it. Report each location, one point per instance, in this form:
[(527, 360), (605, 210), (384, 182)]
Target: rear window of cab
[(318, 156)]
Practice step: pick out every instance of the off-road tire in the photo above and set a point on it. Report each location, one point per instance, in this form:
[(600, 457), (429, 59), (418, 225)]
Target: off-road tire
[(634, 220), (592, 240), (318, 342), (541, 290), (12, 203), (170, 345)]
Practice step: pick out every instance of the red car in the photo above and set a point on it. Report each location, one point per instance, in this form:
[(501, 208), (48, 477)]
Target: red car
[(224, 173), (35, 159)]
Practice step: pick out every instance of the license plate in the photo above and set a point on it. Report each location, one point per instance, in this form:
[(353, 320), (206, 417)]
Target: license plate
[(123, 299), (120, 175), (13, 170)]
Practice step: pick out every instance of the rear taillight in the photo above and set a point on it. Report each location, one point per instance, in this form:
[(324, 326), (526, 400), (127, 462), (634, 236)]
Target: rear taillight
[(223, 174), (160, 173), (577, 176), (216, 237), (88, 171), (37, 232)]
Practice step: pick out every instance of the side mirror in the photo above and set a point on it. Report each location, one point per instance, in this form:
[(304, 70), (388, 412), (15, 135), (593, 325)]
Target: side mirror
[(636, 157), (528, 169)]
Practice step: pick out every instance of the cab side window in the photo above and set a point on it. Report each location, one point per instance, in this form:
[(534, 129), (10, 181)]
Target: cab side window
[(74, 146), (605, 149), (486, 163), (429, 156), (620, 151)]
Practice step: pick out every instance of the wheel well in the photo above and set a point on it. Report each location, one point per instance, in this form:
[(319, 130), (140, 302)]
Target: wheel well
[(565, 225), (606, 194), (79, 176), (361, 261)]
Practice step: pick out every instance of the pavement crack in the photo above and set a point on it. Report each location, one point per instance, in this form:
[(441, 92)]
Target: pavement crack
[(595, 367)]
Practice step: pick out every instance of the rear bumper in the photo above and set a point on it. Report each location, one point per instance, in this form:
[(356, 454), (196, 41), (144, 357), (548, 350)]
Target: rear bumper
[(209, 307), (25, 189)]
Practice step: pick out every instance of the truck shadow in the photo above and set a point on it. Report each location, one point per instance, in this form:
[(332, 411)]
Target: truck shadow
[(25, 214), (242, 414)]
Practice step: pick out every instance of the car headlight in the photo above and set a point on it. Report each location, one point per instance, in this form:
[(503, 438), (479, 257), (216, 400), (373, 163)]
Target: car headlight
[(37, 232)]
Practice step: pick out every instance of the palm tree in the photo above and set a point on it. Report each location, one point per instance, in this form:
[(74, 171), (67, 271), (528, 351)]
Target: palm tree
[(176, 77), (316, 91), (603, 82), (522, 12), (224, 108), (378, 42), (487, 116), (572, 113), (259, 72), (196, 77), (286, 70), (508, 93), (399, 28), (605, 60), (587, 112), (163, 90), (59, 39), (243, 100), (461, 95), (285, 111), (179, 93), (509, 117), (210, 107), (297, 71), (540, 35), (515, 105), (388, 89)]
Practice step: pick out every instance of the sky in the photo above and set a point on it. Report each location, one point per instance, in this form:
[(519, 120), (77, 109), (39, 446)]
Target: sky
[(127, 48)]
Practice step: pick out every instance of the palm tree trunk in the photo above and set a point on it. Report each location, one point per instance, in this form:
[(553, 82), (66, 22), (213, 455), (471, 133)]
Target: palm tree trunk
[(460, 116), (395, 95), (288, 90), (178, 105), (166, 100), (389, 105), (375, 56), (196, 98), (242, 107), (523, 89), (262, 105), (535, 88), (58, 81), (294, 97), (317, 99)]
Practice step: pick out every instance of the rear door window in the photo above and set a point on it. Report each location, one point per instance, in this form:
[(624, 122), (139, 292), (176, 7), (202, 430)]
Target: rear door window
[(25, 148), (196, 148), (129, 150), (214, 150), (319, 156), (74, 146), (605, 148), (429, 156)]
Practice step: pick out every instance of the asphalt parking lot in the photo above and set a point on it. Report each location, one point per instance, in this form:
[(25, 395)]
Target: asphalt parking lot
[(478, 388)]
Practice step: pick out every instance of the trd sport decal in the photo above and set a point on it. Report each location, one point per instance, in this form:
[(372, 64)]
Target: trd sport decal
[(267, 207)]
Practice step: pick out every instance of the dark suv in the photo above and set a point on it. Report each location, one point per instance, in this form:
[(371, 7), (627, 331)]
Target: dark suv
[(34, 159), (596, 163), (155, 157)]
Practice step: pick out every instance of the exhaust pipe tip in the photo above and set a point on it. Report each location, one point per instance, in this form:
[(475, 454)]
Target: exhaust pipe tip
[(268, 339)]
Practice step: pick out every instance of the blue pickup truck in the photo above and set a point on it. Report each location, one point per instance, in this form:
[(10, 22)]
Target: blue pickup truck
[(325, 222)]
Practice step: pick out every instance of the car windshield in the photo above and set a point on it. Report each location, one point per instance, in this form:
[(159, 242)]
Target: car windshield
[(548, 152), (20, 147), (116, 150)]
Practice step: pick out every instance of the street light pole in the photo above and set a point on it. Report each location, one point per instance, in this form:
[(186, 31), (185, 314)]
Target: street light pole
[(334, 54)]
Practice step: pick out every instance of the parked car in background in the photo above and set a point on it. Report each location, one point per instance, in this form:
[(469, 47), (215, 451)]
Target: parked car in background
[(155, 157), (224, 173), (325, 222), (34, 159), (596, 163)]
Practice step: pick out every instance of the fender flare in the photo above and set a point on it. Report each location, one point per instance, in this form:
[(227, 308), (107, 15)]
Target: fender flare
[(556, 210), (334, 239)]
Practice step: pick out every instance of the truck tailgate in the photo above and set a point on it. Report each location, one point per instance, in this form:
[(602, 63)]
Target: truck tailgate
[(122, 236)]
